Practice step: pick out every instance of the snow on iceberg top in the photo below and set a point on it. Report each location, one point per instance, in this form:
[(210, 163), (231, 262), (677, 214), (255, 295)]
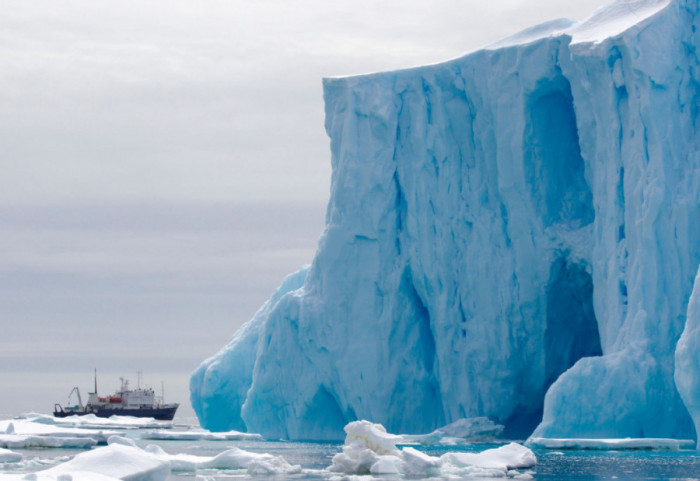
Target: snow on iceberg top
[(607, 21), (550, 28), (615, 18)]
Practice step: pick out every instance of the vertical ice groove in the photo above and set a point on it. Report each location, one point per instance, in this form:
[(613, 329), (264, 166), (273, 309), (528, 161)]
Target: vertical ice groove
[(511, 234)]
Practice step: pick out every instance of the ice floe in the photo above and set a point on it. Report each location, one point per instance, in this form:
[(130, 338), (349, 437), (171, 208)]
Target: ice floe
[(90, 421), (613, 444), (369, 449), (123, 459), (7, 456), (19, 441), (199, 435), (19, 433)]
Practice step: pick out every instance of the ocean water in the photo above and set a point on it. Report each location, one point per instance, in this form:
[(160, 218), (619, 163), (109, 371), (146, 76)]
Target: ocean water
[(314, 457)]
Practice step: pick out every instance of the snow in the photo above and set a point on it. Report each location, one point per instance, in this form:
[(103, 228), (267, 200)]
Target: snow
[(511, 234), (616, 18), (369, 449), (199, 435), (613, 444)]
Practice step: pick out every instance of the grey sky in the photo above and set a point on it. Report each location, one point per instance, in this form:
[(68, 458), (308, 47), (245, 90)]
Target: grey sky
[(164, 165)]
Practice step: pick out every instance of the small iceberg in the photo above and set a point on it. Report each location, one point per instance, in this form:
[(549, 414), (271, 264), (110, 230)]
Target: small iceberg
[(462, 431), (369, 449), (613, 444)]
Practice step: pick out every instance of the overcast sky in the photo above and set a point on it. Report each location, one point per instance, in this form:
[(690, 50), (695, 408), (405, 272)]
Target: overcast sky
[(164, 166)]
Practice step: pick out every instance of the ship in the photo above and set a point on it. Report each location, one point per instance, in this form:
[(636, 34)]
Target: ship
[(138, 402)]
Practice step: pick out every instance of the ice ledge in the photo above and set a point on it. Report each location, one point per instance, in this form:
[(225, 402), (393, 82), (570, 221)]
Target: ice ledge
[(612, 444)]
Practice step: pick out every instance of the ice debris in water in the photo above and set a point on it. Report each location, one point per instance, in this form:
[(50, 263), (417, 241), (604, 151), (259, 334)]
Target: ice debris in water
[(123, 459), (369, 449)]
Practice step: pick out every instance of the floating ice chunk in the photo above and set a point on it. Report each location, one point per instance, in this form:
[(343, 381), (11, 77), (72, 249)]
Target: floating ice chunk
[(234, 458), (29, 427), (90, 421), (74, 476), (7, 456), (418, 463), (115, 461), (20, 441), (369, 449), (613, 444), (200, 435), (510, 456)]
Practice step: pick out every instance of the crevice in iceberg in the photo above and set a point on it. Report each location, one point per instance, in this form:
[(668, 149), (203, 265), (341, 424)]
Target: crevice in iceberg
[(416, 317), (554, 167), (571, 327), (324, 415), (571, 333)]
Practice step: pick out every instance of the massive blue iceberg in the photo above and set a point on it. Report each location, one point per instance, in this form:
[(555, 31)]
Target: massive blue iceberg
[(512, 234)]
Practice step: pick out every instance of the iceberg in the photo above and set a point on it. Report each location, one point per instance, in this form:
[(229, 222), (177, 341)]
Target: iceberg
[(512, 234)]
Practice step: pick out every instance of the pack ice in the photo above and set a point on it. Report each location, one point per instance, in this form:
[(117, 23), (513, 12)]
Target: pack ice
[(512, 234)]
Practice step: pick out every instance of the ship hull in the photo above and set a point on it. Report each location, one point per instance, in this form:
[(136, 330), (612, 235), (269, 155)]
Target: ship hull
[(166, 413)]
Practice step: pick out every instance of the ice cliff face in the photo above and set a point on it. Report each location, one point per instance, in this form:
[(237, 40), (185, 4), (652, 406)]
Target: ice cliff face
[(511, 234)]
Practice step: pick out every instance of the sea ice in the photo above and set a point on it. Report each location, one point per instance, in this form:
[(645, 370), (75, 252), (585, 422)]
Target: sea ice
[(115, 461), (90, 421), (369, 449), (234, 458), (30, 427), (123, 459), (19, 441), (199, 435), (7, 456)]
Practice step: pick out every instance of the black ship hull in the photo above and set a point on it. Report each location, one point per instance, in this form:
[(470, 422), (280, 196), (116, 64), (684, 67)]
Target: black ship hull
[(162, 414)]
